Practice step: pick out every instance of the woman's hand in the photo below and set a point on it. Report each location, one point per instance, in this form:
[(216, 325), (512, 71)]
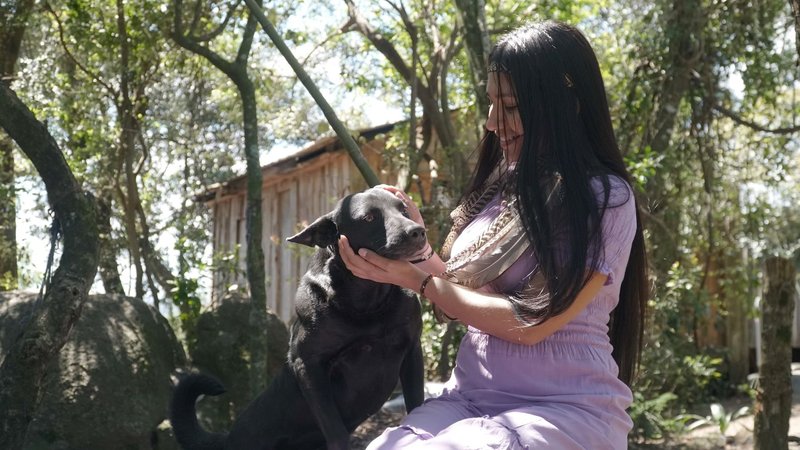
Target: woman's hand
[(413, 210), (414, 214), (371, 266)]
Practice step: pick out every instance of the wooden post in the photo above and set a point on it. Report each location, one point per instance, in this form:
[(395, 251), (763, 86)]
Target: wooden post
[(774, 394)]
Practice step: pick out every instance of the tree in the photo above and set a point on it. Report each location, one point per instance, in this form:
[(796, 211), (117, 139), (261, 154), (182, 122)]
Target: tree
[(427, 79), (344, 134), (774, 394), (236, 70), (124, 79), (704, 100), (13, 20), (476, 36), (796, 14), (23, 368)]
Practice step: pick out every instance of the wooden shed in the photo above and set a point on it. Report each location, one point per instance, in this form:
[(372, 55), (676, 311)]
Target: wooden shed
[(297, 189)]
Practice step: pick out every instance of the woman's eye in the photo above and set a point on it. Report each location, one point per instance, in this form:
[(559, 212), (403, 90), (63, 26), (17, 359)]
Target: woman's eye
[(369, 217)]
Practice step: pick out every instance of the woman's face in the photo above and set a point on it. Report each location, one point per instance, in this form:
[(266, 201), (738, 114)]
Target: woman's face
[(504, 119)]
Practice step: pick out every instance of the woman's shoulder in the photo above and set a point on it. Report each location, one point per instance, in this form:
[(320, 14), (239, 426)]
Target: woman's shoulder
[(612, 187)]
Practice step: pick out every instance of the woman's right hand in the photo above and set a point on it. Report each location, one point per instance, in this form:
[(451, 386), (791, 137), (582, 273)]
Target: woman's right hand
[(369, 265)]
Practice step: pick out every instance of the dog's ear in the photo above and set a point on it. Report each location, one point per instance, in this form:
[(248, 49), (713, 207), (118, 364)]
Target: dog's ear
[(323, 232)]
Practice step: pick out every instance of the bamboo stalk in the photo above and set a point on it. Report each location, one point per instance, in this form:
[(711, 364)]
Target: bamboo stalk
[(341, 130)]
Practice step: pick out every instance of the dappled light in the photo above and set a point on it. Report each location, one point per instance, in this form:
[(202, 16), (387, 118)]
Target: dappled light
[(174, 147)]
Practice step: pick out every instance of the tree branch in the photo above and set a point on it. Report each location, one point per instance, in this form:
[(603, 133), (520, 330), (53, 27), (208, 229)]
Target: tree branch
[(426, 92), (796, 15), (216, 32), (111, 91), (382, 44), (24, 366), (247, 38), (649, 217), (736, 118), (188, 43)]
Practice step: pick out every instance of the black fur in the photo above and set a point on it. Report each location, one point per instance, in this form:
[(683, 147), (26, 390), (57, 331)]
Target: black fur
[(350, 342)]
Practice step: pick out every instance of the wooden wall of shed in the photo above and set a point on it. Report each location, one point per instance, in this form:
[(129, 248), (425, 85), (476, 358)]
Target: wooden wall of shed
[(290, 201)]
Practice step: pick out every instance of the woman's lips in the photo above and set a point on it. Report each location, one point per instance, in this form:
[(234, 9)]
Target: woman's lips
[(511, 140)]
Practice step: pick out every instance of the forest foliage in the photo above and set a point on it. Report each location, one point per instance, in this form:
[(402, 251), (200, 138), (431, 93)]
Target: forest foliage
[(703, 96)]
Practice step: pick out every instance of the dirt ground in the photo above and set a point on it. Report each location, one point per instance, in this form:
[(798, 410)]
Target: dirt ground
[(739, 435), (370, 429)]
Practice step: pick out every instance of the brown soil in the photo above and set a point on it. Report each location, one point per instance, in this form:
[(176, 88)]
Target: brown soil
[(373, 427)]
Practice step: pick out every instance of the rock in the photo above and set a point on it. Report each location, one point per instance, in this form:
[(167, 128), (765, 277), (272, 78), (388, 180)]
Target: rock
[(110, 386), (221, 350)]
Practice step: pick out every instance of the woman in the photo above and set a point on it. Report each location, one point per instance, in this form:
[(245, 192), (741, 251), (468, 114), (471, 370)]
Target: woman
[(545, 252)]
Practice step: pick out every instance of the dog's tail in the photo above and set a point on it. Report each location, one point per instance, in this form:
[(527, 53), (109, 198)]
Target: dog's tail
[(183, 416)]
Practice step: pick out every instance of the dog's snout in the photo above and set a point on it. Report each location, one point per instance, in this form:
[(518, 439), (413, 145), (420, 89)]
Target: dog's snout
[(417, 232)]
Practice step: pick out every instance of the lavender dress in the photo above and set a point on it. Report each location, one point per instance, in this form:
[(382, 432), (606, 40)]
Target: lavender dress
[(561, 393)]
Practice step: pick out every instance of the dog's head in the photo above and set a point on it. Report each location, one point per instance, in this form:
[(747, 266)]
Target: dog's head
[(374, 219)]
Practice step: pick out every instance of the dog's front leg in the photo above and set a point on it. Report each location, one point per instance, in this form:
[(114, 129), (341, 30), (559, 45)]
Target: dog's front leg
[(412, 377), (316, 387)]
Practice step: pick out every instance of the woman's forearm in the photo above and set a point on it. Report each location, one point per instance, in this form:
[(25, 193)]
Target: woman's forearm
[(494, 314), (490, 313)]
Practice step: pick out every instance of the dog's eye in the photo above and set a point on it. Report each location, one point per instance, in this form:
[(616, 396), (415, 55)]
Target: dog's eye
[(369, 217), (404, 210)]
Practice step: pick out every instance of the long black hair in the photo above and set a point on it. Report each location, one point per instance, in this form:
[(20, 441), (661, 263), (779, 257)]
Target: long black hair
[(567, 134)]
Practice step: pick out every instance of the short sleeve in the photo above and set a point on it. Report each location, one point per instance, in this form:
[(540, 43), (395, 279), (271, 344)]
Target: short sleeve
[(617, 228)]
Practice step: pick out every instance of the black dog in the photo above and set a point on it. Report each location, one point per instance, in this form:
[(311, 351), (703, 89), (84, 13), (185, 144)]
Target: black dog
[(351, 341)]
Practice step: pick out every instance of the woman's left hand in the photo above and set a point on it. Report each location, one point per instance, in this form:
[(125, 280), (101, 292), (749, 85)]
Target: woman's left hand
[(371, 266), (413, 210)]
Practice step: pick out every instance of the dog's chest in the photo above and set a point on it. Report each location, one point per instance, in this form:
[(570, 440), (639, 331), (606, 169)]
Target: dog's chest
[(340, 333), (388, 329)]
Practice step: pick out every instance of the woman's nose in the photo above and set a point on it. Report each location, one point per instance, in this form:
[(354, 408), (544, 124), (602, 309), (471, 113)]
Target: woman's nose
[(491, 119)]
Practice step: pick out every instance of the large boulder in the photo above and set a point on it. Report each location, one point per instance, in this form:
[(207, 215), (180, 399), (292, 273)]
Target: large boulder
[(220, 349), (110, 386)]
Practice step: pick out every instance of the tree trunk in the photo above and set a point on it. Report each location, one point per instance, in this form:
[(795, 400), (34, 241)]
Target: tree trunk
[(684, 27), (773, 403), (24, 366), (256, 275), (476, 37), (426, 93), (129, 126), (738, 338), (109, 271), (12, 30), (737, 332), (685, 24), (796, 14), (128, 194), (8, 217), (444, 366)]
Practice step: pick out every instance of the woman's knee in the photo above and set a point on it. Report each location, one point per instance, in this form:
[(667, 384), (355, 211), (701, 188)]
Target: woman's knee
[(398, 437)]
